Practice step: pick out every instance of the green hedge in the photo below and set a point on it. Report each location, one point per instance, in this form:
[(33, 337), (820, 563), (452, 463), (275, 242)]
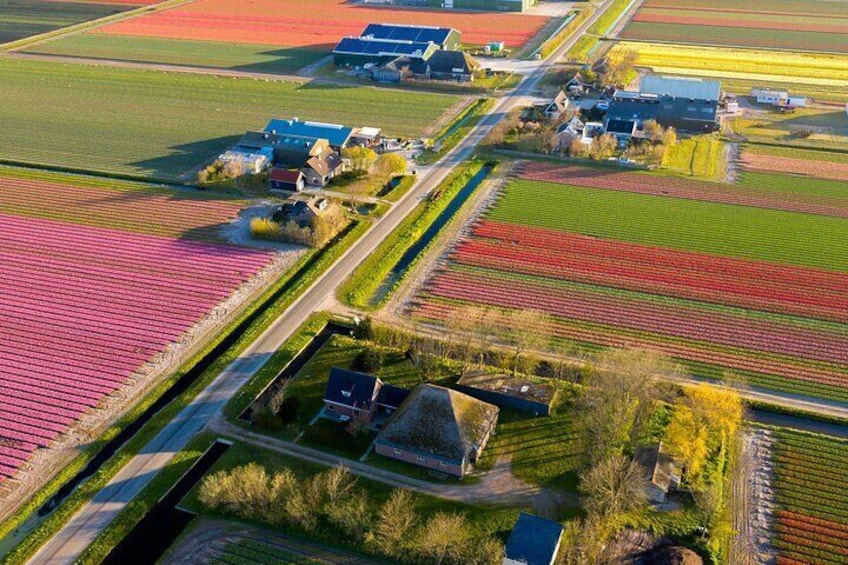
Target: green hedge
[(553, 43), (366, 279), (284, 292)]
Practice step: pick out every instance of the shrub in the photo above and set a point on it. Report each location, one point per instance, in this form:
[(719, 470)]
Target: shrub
[(368, 361), (266, 419)]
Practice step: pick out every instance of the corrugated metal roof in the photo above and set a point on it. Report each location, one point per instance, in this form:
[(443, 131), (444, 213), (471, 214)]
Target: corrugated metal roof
[(337, 135), (385, 47), (681, 87), (414, 33)]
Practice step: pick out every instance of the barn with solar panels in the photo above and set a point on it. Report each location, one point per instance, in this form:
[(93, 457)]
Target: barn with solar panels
[(443, 37), (380, 44)]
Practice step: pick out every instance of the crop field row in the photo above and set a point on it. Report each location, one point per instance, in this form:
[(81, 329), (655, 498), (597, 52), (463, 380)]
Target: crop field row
[(163, 125), (759, 162), (25, 18), (316, 24), (688, 189), (624, 260), (811, 524), (818, 25), (98, 291), (817, 75)]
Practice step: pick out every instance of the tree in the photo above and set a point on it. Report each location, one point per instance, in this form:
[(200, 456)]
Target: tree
[(443, 537), (619, 399), (613, 487), (669, 137), (653, 131), (603, 147), (361, 158), (687, 437), (619, 66), (392, 164), (578, 149), (394, 524), (527, 330), (328, 224), (488, 551)]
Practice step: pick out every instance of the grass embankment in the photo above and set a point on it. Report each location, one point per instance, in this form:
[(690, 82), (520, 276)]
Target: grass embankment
[(212, 54), (257, 317), (359, 289), (456, 130), (555, 41), (162, 125), (699, 156)]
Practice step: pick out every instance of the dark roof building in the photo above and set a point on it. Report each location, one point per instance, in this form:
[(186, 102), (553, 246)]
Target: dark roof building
[(452, 65), (286, 179), (681, 103), (358, 51), (679, 87), (518, 393), (349, 388), (621, 129), (533, 541), (498, 5), (438, 428), (444, 38)]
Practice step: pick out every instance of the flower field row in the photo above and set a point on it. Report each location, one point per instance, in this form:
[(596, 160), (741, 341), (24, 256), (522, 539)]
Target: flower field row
[(314, 23), (165, 213), (618, 269), (86, 308), (773, 164), (685, 188), (811, 524)]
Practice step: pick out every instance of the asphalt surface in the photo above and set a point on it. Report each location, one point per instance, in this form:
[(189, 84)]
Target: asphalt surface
[(91, 519)]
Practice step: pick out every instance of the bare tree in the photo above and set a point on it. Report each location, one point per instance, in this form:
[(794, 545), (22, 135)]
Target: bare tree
[(527, 330), (613, 487), (443, 538), (397, 518)]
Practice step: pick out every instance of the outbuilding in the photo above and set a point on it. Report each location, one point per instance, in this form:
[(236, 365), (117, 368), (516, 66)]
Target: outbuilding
[(533, 541), (290, 180), (532, 396)]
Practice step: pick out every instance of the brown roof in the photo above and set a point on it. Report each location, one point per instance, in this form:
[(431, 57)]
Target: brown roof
[(519, 387), (286, 175), (440, 421), (660, 466)]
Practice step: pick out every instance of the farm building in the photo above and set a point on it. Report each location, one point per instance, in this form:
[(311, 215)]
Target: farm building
[(623, 130), (506, 391), (489, 5), (438, 428), (444, 38), (351, 395), (777, 98), (662, 473), (312, 156), (359, 51), (301, 211), (290, 180), (249, 161), (337, 135), (682, 103), (533, 541), (442, 65)]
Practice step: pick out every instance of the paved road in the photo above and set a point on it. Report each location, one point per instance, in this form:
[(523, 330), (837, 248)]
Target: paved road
[(83, 528)]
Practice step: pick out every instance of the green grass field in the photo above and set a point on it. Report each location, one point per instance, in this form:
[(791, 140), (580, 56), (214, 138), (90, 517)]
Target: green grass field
[(699, 156), (24, 18), (235, 56), (809, 128), (738, 231), (163, 124), (771, 183), (796, 153)]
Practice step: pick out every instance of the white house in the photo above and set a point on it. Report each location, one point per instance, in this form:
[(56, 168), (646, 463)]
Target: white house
[(777, 98)]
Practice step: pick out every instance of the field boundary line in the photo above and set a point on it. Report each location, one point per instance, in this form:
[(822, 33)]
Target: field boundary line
[(729, 46), (81, 27)]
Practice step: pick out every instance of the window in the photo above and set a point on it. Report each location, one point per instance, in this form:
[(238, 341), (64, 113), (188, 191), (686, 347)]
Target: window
[(421, 458), (346, 393), (331, 408), (396, 451)]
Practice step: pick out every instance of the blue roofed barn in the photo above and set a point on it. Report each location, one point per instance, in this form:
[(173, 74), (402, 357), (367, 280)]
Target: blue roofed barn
[(533, 541)]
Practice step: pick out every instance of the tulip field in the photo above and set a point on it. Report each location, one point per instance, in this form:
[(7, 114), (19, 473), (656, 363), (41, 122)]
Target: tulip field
[(97, 283), (811, 491), (719, 276)]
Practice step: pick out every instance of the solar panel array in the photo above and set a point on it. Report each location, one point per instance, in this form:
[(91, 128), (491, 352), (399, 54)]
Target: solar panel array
[(437, 35), (360, 46)]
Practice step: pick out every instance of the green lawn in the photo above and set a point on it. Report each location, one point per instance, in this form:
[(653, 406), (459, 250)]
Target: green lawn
[(163, 124), (771, 182), (739, 231), (236, 56), (808, 128), (797, 153), (24, 18)]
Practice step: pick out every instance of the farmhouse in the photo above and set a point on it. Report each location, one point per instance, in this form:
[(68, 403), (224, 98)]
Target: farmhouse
[(438, 428), (533, 541), (301, 211), (337, 135), (557, 106), (506, 391), (351, 395), (662, 473), (568, 133), (682, 103)]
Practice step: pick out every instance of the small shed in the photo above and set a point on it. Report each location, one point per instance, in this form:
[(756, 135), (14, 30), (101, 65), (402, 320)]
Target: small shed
[(662, 473), (517, 393), (533, 541), (290, 180)]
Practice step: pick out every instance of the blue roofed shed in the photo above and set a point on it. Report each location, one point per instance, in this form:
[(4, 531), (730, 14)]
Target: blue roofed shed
[(444, 37), (337, 135), (533, 541)]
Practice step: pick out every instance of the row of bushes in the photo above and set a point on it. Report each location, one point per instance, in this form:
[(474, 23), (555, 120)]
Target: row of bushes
[(553, 42), (363, 283), (332, 505)]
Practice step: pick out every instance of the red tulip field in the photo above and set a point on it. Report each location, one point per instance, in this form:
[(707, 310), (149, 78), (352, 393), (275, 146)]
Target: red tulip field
[(627, 259), (811, 490), (96, 284)]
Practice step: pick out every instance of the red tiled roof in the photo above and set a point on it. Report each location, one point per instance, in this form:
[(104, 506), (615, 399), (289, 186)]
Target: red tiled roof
[(285, 175)]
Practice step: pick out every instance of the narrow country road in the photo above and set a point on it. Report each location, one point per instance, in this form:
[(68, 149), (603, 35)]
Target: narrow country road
[(92, 518)]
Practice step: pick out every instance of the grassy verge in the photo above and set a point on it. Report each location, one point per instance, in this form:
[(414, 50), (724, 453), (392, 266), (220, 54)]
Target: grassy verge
[(553, 43), (264, 311), (610, 17), (796, 413), (367, 278), (457, 129), (580, 51)]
